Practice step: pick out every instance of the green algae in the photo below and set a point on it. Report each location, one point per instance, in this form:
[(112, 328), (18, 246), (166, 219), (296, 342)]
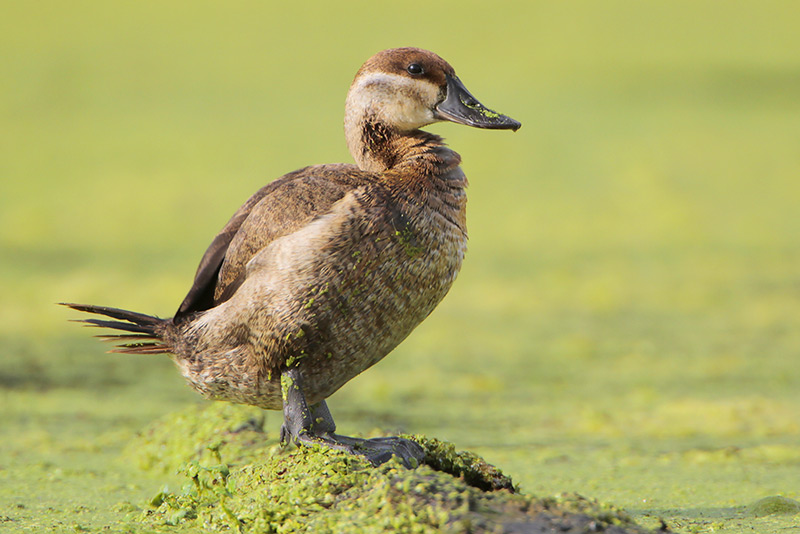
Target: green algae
[(236, 486), (629, 357), (774, 505), (475, 471), (200, 433), (475, 106), (408, 241)]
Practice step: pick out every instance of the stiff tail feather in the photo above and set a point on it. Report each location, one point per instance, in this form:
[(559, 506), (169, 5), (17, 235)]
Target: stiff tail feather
[(143, 333)]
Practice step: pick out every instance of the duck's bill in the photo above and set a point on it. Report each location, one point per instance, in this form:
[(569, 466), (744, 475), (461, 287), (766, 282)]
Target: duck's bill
[(461, 107)]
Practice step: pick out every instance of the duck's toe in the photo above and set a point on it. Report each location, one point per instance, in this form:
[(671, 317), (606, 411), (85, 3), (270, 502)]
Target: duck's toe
[(376, 450), (381, 450)]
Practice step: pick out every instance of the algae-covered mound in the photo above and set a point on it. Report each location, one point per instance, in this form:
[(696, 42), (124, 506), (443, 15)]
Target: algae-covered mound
[(197, 433), (774, 505), (241, 484)]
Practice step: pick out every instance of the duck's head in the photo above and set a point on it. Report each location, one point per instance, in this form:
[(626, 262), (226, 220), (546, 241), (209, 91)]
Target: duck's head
[(402, 89)]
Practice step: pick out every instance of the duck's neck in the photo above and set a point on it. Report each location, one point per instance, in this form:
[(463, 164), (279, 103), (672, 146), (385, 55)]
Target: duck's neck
[(377, 147)]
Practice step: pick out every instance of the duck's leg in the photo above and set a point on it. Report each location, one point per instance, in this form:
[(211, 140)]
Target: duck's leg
[(314, 425), (298, 417), (322, 420)]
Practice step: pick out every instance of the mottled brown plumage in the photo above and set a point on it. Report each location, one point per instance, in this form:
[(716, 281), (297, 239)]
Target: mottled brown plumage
[(325, 270), (335, 288)]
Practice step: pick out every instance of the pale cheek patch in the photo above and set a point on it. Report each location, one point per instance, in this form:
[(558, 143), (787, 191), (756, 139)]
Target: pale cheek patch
[(402, 102)]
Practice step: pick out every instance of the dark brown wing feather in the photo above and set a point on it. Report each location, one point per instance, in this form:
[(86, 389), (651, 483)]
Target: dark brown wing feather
[(201, 294), (275, 210)]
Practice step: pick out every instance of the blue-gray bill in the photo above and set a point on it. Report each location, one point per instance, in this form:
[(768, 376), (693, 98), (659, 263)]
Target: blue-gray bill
[(461, 107)]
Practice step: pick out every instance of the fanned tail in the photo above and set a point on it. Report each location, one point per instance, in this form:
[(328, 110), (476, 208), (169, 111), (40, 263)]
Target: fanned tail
[(144, 333)]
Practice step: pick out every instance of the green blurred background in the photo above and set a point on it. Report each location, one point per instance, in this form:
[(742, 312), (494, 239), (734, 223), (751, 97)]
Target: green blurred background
[(627, 322)]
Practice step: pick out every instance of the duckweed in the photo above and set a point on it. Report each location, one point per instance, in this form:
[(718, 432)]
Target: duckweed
[(475, 106), (628, 305), (774, 505), (241, 486), (202, 433), (409, 241)]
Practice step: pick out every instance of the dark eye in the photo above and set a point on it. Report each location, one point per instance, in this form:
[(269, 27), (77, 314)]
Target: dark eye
[(415, 69)]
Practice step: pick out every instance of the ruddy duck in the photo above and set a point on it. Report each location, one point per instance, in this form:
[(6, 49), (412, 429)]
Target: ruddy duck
[(322, 272)]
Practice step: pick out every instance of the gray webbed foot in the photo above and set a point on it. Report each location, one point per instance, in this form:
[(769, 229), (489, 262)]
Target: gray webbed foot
[(381, 450), (315, 426)]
